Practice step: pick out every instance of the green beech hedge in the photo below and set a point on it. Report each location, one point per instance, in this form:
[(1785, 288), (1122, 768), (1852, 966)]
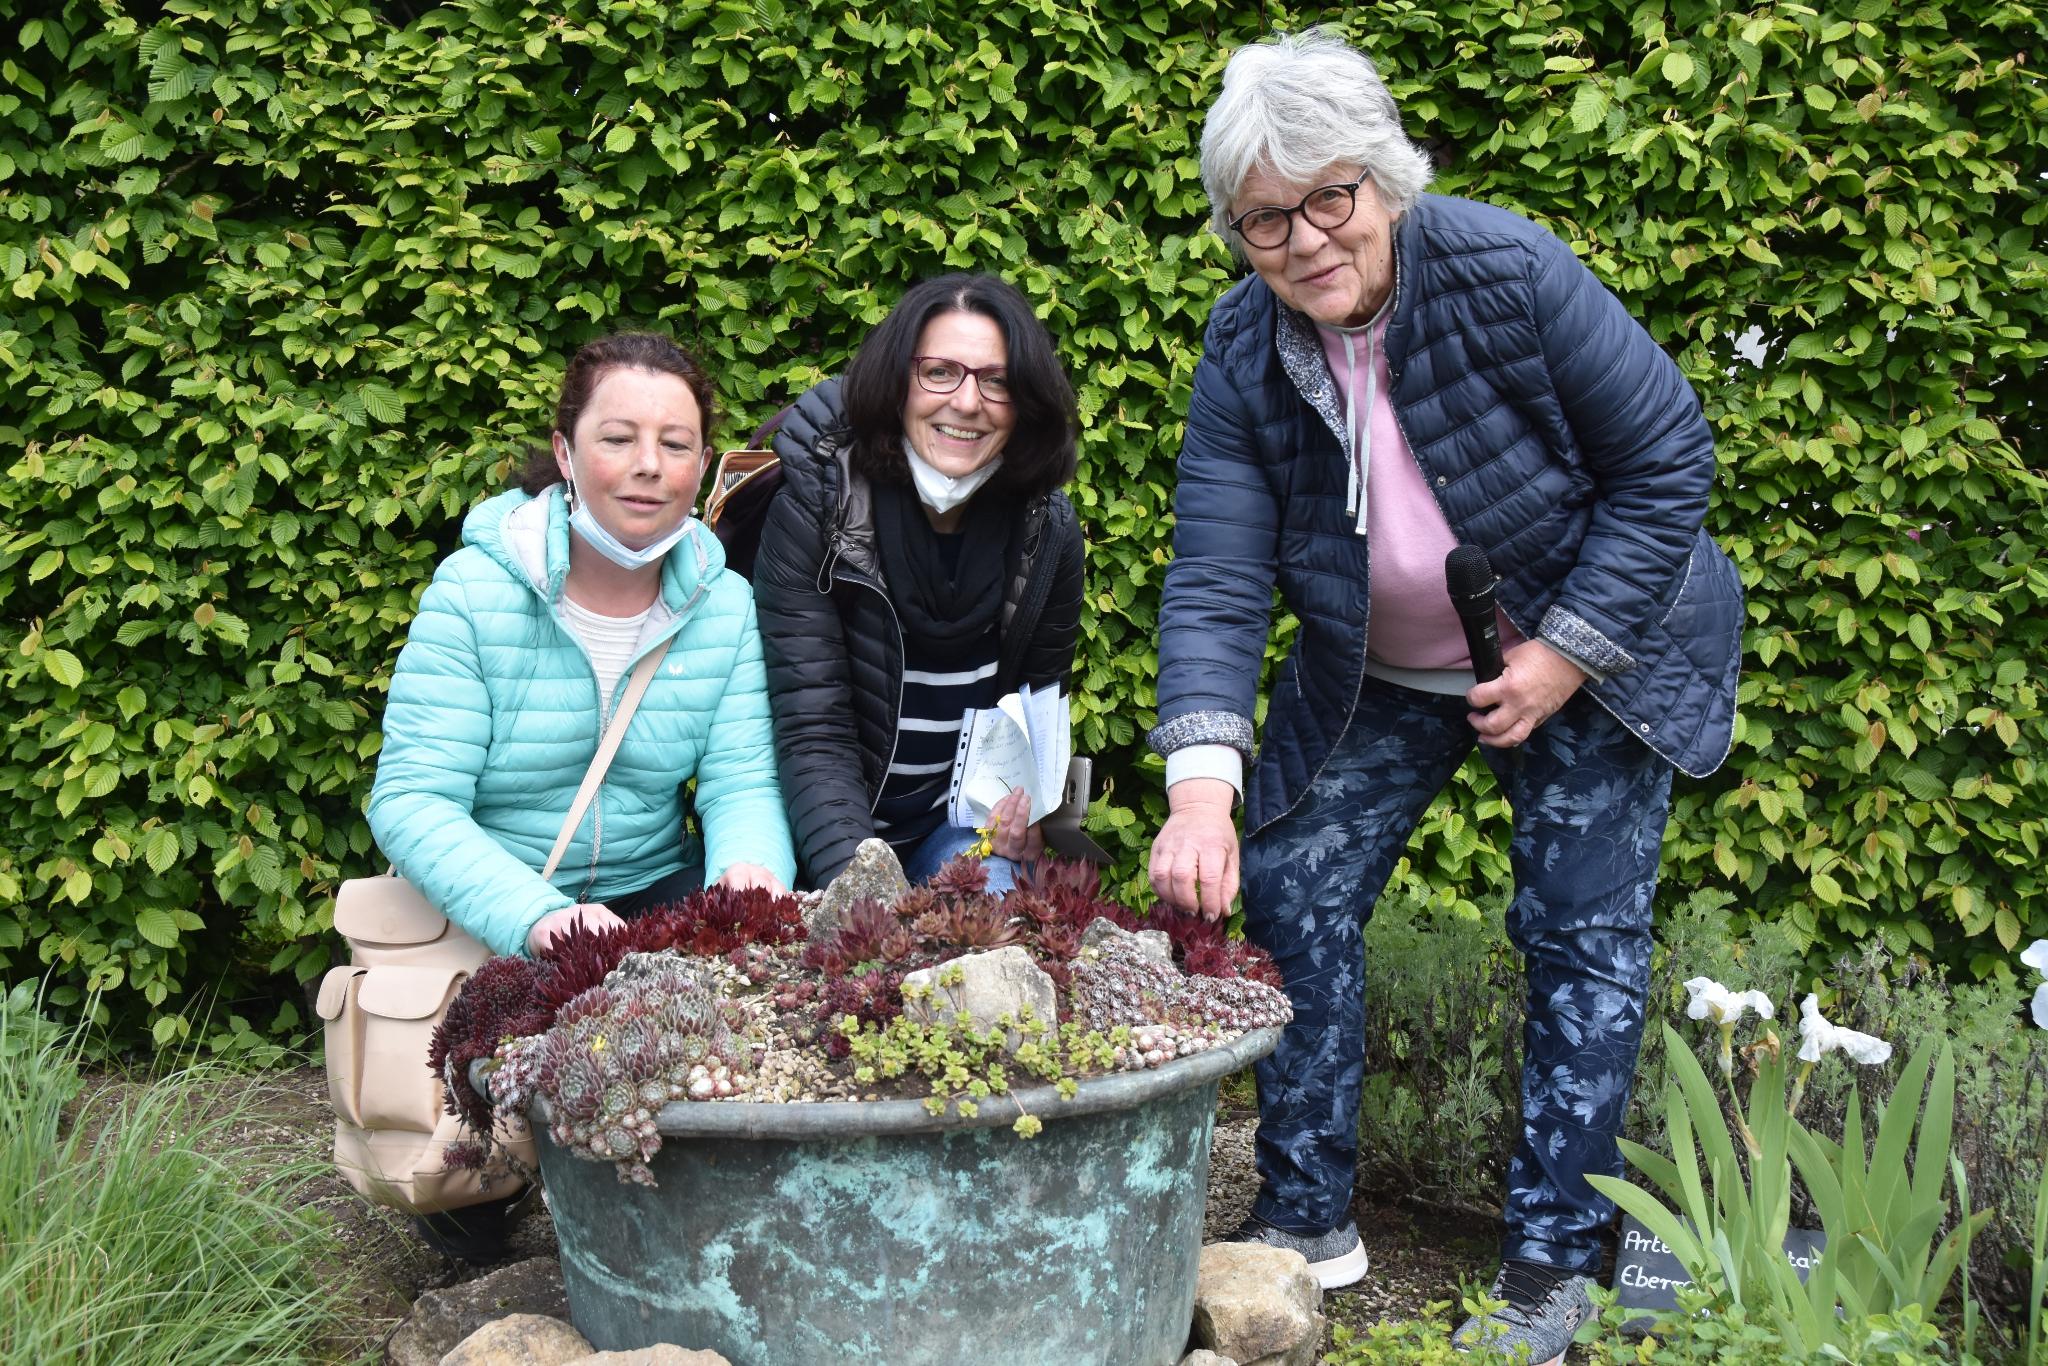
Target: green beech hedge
[(287, 285)]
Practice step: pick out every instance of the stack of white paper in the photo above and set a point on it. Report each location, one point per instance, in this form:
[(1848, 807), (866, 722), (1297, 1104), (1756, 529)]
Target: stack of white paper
[(1026, 740)]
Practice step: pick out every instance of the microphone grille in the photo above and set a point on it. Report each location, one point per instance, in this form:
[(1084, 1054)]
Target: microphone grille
[(1467, 571)]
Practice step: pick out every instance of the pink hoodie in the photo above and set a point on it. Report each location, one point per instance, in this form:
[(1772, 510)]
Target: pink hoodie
[(1413, 625)]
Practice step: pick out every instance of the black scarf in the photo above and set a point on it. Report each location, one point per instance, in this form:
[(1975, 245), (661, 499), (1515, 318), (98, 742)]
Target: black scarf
[(945, 613)]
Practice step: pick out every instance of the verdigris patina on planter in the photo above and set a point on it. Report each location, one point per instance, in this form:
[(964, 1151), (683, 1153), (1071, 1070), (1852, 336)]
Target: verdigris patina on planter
[(795, 1234)]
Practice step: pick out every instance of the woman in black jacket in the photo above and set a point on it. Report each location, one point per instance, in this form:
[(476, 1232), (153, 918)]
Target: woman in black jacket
[(918, 561)]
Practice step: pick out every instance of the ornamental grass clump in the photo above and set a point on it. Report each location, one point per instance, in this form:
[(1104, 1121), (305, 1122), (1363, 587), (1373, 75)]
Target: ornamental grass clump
[(141, 1223), (725, 997), (2036, 957)]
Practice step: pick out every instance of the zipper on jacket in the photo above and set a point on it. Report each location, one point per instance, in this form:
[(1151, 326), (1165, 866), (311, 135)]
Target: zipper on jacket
[(1036, 590), (834, 551), (1358, 689), (896, 720), (604, 720)]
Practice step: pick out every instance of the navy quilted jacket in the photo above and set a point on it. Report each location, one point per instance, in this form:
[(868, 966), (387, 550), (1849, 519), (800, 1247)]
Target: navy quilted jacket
[(1556, 435)]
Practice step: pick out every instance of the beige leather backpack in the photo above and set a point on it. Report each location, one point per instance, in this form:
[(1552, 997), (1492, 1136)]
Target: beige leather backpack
[(406, 963), (391, 1130)]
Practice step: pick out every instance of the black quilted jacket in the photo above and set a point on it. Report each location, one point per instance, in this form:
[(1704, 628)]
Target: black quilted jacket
[(834, 648)]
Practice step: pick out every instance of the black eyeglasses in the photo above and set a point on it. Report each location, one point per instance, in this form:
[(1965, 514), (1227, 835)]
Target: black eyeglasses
[(1328, 207), (937, 375)]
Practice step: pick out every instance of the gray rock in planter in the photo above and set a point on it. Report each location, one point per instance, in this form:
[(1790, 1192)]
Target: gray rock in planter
[(1258, 1305), (442, 1318), (521, 1340), (1205, 1357), (661, 1354), (1151, 943), (1000, 982), (874, 873)]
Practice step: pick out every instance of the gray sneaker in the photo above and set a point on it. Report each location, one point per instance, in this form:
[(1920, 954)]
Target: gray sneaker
[(1334, 1258), (1541, 1318)]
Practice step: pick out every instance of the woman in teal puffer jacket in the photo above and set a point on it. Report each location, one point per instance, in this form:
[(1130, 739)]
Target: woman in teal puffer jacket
[(522, 643)]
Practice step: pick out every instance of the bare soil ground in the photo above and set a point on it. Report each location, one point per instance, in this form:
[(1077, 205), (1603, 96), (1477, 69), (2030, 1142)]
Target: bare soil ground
[(1419, 1252)]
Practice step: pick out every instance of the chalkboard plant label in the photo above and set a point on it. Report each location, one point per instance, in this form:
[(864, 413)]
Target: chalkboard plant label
[(1647, 1275)]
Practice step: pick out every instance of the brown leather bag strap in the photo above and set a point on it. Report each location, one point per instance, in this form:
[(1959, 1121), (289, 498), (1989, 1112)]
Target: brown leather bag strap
[(636, 687)]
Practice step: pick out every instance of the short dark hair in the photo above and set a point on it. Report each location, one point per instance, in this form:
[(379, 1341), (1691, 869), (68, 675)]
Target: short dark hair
[(587, 368), (1038, 457)]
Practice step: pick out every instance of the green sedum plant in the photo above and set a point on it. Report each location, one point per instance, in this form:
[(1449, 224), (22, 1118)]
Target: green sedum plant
[(287, 288)]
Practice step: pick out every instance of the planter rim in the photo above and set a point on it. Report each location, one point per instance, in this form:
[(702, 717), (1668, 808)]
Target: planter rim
[(839, 1119)]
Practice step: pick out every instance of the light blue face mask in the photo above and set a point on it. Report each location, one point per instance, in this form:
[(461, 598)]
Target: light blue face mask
[(585, 524)]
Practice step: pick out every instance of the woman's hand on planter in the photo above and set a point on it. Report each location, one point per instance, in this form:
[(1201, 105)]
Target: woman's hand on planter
[(591, 915), (741, 876), (1195, 856)]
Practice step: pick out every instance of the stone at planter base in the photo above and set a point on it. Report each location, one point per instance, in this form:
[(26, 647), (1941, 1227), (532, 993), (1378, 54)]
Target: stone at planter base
[(442, 1318), (520, 1340), (1258, 1305), (1204, 1357), (662, 1355)]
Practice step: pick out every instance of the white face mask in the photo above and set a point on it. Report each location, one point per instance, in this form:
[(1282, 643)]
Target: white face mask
[(942, 493), (585, 524)]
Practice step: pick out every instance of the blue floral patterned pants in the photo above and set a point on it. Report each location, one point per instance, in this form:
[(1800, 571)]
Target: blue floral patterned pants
[(1589, 803)]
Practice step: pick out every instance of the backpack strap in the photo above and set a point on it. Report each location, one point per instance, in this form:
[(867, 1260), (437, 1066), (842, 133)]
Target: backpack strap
[(636, 688), (770, 427)]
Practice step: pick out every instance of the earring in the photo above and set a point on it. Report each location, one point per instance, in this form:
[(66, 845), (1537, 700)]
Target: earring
[(569, 493)]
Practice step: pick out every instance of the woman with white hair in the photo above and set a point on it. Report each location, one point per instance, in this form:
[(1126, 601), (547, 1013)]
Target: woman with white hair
[(1403, 374)]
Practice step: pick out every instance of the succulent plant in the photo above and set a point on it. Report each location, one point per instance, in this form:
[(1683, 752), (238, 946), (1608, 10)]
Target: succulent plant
[(872, 997), (969, 922), (652, 1032), (612, 1025), (497, 1003), (916, 903), (1057, 896), (869, 933), (578, 960), (719, 920), (1120, 984), (714, 921), (962, 875)]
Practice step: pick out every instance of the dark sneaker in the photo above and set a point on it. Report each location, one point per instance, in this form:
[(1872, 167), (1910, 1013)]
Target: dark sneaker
[(1545, 1306), (1335, 1258), (479, 1234)]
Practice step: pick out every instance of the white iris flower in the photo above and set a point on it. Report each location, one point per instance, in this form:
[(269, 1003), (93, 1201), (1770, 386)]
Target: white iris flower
[(2036, 957), (1712, 1001), (1820, 1038)]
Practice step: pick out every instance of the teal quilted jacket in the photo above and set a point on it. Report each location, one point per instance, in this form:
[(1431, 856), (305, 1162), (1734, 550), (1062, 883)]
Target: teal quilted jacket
[(493, 719)]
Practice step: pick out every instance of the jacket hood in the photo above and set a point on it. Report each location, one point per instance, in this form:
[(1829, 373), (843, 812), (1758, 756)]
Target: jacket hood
[(814, 446), (802, 440), (529, 535)]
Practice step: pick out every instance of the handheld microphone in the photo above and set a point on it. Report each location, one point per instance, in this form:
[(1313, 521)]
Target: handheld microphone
[(1468, 574)]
